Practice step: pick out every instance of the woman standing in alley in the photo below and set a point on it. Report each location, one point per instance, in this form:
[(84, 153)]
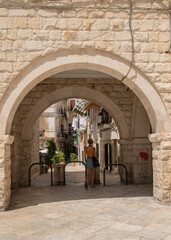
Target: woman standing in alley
[(89, 153)]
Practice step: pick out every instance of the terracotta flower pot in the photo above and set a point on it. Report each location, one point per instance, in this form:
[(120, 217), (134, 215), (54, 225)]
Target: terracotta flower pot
[(73, 164)]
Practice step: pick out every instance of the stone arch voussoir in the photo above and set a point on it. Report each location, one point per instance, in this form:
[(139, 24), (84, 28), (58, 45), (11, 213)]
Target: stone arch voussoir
[(83, 59), (75, 92)]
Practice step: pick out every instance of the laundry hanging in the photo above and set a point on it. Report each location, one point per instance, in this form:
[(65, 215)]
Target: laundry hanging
[(83, 123), (79, 107), (75, 123)]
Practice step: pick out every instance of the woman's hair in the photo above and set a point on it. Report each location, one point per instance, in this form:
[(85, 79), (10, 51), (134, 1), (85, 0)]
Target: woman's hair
[(90, 141)]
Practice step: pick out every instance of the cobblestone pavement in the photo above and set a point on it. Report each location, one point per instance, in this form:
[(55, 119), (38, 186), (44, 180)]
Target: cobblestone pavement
[(71, 212)]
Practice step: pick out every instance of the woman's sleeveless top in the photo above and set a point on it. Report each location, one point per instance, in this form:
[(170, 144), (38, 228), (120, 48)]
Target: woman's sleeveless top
[(89, 151)]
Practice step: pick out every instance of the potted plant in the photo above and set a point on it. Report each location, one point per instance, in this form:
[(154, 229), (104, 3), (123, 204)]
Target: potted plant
[(59, 157), (51, 146), (73, 158)]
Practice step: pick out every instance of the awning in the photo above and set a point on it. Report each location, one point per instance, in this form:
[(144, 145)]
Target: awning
[(89, 105), (79, 107)]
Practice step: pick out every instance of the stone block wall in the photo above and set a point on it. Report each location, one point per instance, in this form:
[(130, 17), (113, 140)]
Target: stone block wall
[(5, 171), (32, 29), (24, 153), (142, 171), (161, 167), (28, 33), (139, 169), (35, 150)]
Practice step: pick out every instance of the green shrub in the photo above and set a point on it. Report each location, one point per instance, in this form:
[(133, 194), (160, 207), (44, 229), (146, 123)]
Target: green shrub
[(51, 146), (73, 157), (59, 157)]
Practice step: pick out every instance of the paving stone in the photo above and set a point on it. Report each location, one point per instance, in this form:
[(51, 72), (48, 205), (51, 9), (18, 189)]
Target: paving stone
[(71, 212), (168, 237)]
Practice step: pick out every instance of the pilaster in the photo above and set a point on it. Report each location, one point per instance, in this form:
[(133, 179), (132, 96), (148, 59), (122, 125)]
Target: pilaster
[(5, 170), (161, 167)]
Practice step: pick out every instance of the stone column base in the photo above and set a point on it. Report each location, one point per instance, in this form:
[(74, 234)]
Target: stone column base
[(161, 196), (5, 170), (161, 167)]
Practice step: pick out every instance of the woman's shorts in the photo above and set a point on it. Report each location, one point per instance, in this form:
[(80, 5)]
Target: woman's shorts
[(89, 162)]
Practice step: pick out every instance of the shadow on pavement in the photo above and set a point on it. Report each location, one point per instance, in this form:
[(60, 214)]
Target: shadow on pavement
[(42, 192)]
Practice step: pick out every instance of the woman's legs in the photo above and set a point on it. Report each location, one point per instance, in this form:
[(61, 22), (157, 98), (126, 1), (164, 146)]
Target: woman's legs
[(90, 171), (92, 176), (88, 175)]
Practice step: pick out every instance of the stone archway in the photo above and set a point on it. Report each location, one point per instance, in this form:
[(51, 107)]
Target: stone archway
[(105, 62), (75, 92), (110, 64), (105, 92)]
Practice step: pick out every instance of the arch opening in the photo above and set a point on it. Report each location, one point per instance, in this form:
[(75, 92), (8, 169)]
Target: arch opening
[(76, 92), (95, 60), (71, 122), (108, 93)]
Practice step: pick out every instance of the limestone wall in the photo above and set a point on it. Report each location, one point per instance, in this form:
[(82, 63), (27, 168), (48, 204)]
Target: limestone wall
[(24, 153), (35, 150), (5, 171), (32, 29), (114, 90), (139, 168), (162, 167), (27, 34)]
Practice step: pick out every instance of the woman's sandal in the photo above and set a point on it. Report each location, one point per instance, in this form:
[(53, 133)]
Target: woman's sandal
[(86, 185)]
